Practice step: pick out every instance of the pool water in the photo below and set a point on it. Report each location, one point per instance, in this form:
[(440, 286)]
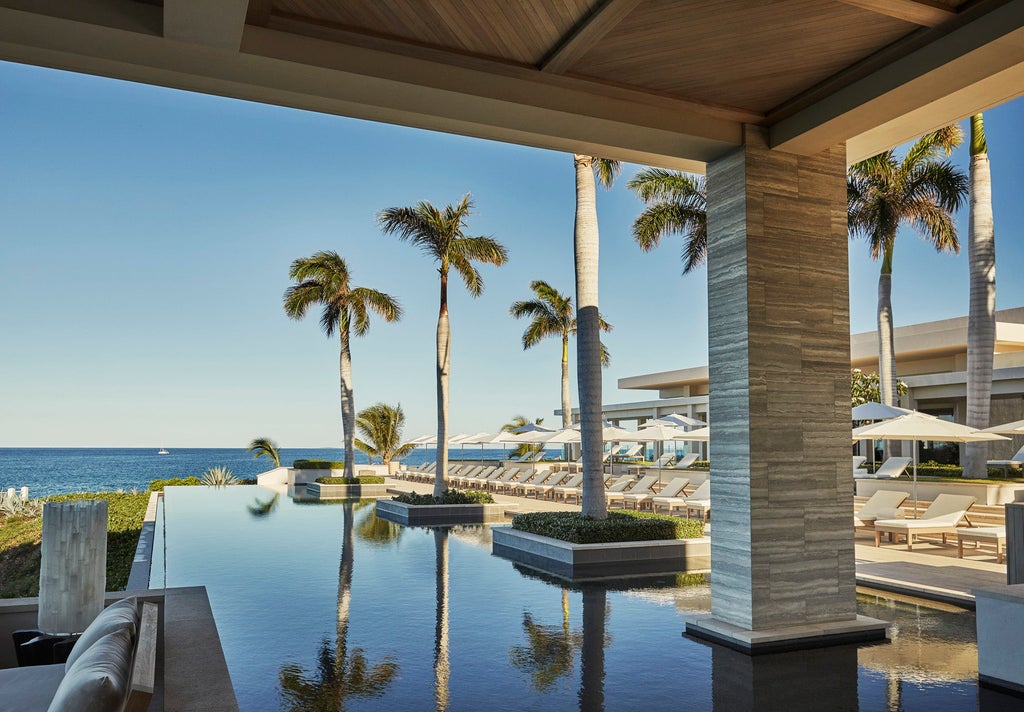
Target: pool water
[(325, 607)]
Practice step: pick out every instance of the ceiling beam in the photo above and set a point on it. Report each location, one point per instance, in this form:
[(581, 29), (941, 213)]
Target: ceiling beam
[(586, 34), (259, 12), (473, 98), (918, 12), (940, 77), (217, 24)]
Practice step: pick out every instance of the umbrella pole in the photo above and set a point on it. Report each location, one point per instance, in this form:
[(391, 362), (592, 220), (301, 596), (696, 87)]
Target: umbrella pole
[(913, 444)]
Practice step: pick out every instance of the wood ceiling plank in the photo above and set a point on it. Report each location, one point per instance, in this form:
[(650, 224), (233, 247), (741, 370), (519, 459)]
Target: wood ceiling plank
[(259, 12), (919, 12), (585, 35)]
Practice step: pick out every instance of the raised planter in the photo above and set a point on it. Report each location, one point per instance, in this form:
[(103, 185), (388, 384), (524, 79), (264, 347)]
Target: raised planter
[(322, 491), (985, 494), (440, 514), (591, 561)]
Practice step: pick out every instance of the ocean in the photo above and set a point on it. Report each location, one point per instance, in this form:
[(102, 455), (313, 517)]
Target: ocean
[(47, 471)]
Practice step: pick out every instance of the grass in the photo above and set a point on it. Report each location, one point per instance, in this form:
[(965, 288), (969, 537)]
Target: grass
[(20, 539)]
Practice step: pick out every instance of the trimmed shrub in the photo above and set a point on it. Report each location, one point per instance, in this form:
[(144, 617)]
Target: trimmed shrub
[(575, 528), (158, 485), (318, 465), (450, 497), (361, 480)]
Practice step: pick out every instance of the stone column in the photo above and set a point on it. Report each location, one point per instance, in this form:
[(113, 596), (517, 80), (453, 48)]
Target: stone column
[(782, 556), (73, 569)]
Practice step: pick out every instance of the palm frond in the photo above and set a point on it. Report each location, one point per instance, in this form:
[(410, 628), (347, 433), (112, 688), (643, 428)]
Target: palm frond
[(606, 170), (471, 276)]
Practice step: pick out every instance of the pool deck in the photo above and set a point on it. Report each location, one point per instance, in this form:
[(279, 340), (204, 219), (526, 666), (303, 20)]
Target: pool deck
[(932, 571)]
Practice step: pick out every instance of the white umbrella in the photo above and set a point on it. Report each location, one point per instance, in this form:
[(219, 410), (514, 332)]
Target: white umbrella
[(701, 435), (921, 426), (1014, 428), (676, 419), (659, 433), (482, 439), (878, 411)]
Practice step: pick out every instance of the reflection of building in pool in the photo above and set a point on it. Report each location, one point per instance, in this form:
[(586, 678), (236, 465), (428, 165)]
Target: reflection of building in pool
[(930, 357)]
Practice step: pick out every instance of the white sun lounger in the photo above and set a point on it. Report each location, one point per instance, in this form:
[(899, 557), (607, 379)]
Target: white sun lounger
[(698, 504), (679, 501), (883, 504), (941, 517), (642, 486), (685, 462), (891, 469), (858, 465), (506, 481), (550, 479), (639, 499), (658, 464), (1015, 462), (567, 492)]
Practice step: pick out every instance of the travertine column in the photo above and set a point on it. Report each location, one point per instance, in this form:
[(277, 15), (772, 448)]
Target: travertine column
[(73, 570), (779, 357)]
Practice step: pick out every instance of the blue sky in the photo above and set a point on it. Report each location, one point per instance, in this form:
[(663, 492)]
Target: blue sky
[(147, 235)]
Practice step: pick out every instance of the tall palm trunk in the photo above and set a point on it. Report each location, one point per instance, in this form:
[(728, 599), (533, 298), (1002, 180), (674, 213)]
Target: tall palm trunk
[(886, 350), (566, 393), (443, 369), (348, 403), (981, 319), (344, 597), (591, 694), (442, 670), (588, 338)]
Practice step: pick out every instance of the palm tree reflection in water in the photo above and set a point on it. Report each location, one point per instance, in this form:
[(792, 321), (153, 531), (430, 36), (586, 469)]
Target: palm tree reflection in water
[(442, 670), (550, 650), (339, 673)]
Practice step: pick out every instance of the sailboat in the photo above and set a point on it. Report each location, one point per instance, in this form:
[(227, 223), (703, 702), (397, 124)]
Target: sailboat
[(162, 451)]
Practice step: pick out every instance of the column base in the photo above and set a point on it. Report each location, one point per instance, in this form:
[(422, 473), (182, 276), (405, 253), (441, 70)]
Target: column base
[(777, 640)]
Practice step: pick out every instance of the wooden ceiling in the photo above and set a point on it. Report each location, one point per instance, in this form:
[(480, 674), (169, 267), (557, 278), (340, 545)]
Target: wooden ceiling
[(752, 56)]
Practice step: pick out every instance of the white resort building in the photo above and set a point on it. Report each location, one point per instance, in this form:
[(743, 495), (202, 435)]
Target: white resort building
[(931, 358)]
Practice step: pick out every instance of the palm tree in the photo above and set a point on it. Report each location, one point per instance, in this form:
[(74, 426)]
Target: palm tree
[(981, 319), (265, 447), (551, 314), (884, 192), (522, 449), (381, 425), (441, 235), (588, 332), (676, 204), (324, 279)]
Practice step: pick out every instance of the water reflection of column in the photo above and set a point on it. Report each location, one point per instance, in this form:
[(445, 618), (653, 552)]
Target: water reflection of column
[(441, 669), (745, 683), (592, 655)]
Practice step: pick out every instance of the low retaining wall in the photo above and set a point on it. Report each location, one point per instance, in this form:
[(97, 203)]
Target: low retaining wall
[(1000, 622), (589, 561), (323, 491), (985, 494), (440, 514)]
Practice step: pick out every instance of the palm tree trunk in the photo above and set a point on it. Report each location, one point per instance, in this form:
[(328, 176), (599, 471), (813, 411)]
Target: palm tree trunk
[(348, 404), (443, 368), (886, 352), (442, 670), (566, 393), (981, 320), (588, 338)]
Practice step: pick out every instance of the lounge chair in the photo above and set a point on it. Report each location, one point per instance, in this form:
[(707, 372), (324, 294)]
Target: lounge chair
[(672, 489), (658, 464), (544, 478), (474, 480), (942, 517), (679, 500), (642, 486), (891, 469), (883, 504), (1015, 462), (576, 493), (996, 536), (858, 465), (699, 503), (529, 482), (548, 487), (500, 484), (568, 487), (685, 462)]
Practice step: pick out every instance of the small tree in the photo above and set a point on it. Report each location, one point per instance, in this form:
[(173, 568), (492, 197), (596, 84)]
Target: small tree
[(265, 447), (864, 388), (522, 449), (381, 426)]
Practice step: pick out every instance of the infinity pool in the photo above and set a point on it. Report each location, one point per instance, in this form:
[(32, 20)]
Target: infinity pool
[(325, 607)]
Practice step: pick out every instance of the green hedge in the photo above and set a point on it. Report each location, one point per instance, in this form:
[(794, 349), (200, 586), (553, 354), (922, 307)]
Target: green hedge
[(361, 480), (318, 465), (930, 468), (450, 497), (619, 526), (20, 538), (158, 485)]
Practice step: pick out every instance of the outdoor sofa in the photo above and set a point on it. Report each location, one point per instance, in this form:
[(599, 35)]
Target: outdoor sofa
[(112, 667)]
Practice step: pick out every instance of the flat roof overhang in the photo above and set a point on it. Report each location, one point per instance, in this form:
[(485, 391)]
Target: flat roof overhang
[(967, 61)]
